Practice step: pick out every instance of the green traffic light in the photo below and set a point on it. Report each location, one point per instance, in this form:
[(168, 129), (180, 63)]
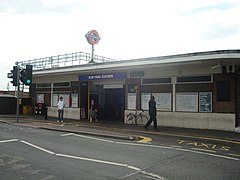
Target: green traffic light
[(28, 81)]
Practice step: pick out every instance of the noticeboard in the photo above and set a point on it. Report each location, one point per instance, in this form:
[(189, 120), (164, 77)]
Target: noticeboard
[(74, 100), (55, 100), (145, 97), (132, 97), (187, 102), (40, 98), (163, 101), (205, 102)]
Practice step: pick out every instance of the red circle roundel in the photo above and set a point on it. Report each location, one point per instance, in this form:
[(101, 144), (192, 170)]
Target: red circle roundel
[(92, 37)]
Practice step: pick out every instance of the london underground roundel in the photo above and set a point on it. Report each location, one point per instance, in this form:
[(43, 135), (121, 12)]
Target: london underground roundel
[(92, 37)]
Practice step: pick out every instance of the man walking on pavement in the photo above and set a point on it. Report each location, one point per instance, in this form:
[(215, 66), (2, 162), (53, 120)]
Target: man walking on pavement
[(60, 105), (152, 113)]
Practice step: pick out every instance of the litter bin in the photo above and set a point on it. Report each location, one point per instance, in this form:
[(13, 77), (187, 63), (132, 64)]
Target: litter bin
[(40, 109)]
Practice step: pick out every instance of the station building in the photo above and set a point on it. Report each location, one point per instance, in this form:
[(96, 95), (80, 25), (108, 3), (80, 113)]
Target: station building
[(196, 90)]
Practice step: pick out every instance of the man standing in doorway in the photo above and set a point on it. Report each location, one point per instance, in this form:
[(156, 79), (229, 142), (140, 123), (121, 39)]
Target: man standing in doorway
[(152, 113), (60, 105), (93, 111)]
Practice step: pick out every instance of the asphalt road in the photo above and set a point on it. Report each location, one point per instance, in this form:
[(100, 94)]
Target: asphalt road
[(29, 153)]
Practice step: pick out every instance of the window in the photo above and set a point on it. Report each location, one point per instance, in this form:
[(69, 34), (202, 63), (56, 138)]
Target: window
[(65, 99), (61, 84), (223, 91), (44, 85), (156, 81), (194, 79)]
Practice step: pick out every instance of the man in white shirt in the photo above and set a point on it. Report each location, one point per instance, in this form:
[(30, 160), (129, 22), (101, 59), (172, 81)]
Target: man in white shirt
[(60, 105)]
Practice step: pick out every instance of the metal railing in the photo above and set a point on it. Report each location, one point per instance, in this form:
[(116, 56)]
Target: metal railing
[(81, 58), (65, 60)]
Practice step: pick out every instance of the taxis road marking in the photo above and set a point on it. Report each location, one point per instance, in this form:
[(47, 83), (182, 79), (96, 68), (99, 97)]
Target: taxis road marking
[(207, 146), (204, 138)]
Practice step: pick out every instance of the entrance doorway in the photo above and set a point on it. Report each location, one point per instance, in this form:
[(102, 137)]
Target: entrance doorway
[(114, 104), (109, 100)]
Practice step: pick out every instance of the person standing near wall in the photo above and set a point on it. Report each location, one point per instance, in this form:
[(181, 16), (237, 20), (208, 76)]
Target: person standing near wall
[(152, 113), (60, 105), (93, 111)]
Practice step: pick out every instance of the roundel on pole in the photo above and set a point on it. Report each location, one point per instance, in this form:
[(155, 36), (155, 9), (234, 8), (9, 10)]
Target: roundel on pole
[(92, 37)]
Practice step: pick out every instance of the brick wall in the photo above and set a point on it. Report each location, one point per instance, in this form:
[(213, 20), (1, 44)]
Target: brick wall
[(224, 106)]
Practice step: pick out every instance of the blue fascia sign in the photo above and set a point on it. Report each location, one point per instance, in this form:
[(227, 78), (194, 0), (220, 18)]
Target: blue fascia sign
[(106, 76)]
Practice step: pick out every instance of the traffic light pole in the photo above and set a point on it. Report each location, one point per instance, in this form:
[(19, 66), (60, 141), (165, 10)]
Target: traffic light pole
[(18, 89), (25, 75)]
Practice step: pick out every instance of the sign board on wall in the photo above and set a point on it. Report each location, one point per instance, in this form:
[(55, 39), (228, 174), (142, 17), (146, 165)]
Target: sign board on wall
[(106, 76), (40, 98), (187, 102), (132, 100), (55, 100), (74, 99), (163, 101), (205, 102), (145, 97)]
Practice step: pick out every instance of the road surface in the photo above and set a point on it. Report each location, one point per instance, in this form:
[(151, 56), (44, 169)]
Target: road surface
[(29, 153)]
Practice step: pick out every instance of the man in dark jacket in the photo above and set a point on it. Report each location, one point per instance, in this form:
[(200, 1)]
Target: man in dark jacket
[(152, 113)]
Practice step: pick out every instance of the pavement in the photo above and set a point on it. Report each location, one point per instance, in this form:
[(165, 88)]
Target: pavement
[(114, 129)]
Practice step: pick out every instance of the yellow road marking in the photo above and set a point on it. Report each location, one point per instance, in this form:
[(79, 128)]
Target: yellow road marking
[(189, 136), (145, 139), (238, 155), (206, 150), (186, 136)]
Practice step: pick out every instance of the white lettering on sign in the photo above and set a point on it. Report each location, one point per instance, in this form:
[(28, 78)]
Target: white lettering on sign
[(94, 77), (107, 76)]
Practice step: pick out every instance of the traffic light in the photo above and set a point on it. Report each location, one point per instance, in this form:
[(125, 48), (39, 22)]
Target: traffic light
[(26, 75), (13, 76)]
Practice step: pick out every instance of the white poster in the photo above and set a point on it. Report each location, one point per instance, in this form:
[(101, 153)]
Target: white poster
[(55, 100), (163, 101), (74, 99), (132, 100), (40, 98), (205, 102), (144, 100), (187, 102)]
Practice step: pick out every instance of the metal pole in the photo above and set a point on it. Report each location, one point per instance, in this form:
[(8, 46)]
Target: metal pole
[(92, 53), (18, 89)]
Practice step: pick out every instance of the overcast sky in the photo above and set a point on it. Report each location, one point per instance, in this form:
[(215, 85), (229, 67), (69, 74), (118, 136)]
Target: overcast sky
[(128, 29)]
